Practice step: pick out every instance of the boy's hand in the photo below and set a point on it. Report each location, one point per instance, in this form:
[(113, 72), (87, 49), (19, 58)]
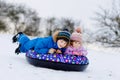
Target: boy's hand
[(51, 50), (58, 51)]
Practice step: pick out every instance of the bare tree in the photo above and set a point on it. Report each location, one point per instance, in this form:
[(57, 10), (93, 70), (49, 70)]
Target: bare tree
[(50, 25), (68, 23), (3, 8), (109, 21), (110, 18), (33, 28), (13, 14), (23, 18), (3, 26)]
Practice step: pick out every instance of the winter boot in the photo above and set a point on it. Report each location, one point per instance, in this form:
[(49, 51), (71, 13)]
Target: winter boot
[(15, 38), (17, 51)]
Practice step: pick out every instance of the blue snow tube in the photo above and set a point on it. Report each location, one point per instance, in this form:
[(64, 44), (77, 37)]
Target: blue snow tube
[(58, 61)]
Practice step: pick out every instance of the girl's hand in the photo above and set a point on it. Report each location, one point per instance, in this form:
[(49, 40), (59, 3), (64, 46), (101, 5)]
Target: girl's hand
[(51, 50), (76, 53), (58, 51)]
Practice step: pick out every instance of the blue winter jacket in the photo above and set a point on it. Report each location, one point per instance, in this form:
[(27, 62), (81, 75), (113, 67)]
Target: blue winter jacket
[(40, 45)]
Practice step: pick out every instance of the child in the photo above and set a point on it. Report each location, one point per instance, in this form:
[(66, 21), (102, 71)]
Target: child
[(75, 47), (52, 44)]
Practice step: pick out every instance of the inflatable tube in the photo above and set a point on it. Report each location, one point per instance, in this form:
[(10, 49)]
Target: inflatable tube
[(58, 61)]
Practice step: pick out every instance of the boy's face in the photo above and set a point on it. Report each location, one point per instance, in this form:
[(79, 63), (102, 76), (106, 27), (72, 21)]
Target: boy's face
[(61, 43), (76, 44)]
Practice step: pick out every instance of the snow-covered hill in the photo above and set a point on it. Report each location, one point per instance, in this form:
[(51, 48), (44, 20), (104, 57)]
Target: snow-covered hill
[(104, 65)]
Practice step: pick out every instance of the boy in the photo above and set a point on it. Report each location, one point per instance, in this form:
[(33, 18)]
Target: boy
[(52, 44)]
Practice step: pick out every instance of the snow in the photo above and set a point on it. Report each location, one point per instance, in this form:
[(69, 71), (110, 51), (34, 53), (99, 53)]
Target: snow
[(104, 65)]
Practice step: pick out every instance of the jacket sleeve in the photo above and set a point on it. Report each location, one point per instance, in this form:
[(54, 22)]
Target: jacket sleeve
[(41, 46), (68, 51), (83, 51), (63, 50), (42, 51)]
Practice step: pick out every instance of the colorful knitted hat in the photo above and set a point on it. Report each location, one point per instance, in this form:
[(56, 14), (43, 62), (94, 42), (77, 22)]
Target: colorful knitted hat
[(65, 35)]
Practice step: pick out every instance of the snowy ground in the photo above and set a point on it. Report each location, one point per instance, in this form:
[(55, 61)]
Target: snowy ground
[(104, 65)]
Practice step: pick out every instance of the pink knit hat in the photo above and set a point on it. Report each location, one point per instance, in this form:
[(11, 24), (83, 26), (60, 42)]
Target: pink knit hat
[(76, 35)]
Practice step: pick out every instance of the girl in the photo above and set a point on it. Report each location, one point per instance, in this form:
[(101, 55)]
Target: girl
[(75, 47), (52, 44)]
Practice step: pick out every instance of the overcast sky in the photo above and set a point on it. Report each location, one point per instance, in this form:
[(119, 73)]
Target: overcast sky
[(78, 9)]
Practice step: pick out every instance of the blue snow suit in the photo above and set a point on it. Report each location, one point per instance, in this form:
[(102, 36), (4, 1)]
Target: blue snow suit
[(40, 45)]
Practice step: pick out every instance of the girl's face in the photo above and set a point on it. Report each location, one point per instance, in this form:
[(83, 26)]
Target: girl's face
[(61, 43), (76, 44)]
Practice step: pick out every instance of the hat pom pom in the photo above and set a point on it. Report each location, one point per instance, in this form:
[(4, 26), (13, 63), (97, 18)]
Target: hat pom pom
[(78, 30)]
